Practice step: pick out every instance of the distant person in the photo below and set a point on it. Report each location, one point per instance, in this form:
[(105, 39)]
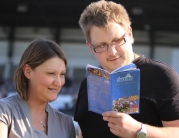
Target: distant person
[(39, 77), (3, 91), (107, 28), (1, 80), (68, 82)]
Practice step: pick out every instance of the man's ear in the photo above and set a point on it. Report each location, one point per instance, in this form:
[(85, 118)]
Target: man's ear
[(27, 70), (89, 46), (130, 34)]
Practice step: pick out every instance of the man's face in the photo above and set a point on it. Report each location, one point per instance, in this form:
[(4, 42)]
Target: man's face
[(114, 57)]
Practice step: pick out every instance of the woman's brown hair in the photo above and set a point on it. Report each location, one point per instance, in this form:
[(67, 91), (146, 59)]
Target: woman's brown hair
[(35, 54)]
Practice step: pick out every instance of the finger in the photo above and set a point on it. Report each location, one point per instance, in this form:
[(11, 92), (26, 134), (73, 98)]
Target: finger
[(110, 113), (112, 119), (115, 129), (112, 125), (115, 132)]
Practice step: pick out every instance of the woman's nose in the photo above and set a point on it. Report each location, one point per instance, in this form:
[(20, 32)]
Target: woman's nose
[(58, 81)]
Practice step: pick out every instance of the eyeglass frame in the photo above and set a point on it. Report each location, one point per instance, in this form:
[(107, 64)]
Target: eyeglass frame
[(112, 44)]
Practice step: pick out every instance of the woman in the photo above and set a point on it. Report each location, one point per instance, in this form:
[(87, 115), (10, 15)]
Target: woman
[(38, 80)]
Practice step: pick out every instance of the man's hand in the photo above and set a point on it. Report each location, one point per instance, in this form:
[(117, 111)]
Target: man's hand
[(122, 124)]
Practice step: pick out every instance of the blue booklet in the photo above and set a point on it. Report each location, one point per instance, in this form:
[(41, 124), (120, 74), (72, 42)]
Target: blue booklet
[(118, 90)]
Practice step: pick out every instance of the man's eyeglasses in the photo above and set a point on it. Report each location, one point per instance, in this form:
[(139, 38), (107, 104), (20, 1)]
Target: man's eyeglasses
[(104, 47)]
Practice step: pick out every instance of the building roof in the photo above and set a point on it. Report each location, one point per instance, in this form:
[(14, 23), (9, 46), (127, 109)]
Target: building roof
[(144, 14)]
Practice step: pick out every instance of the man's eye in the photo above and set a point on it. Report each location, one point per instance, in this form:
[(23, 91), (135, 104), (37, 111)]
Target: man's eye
[(102, 46), (118, 41)]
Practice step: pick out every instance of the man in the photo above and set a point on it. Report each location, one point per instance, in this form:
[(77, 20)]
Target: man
[(109, 36)]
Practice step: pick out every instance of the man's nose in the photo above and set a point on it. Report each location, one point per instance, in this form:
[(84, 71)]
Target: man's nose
[(112, 49)]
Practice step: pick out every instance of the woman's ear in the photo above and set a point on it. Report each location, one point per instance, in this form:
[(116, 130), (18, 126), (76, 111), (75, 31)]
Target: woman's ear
[(27, 70)]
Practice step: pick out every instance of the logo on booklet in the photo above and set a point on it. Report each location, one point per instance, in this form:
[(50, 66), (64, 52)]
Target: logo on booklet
[(128, 77)]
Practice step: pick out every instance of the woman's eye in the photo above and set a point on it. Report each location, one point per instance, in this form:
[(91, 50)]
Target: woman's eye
[(51, 73), (62, 74)]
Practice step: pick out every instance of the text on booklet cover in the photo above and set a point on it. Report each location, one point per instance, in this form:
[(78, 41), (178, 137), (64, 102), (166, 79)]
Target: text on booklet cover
[(118, 90)]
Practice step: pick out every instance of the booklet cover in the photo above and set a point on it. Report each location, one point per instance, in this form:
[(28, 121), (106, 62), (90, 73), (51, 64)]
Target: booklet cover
[(118, 90)]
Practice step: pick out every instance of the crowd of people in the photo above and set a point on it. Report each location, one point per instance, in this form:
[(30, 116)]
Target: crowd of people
[(6, 85)]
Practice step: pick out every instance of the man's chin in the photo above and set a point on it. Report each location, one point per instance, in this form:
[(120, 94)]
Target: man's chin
[(115, 67)]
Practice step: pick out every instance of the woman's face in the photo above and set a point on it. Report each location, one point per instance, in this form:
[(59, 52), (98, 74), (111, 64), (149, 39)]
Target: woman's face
[(46, 80)]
